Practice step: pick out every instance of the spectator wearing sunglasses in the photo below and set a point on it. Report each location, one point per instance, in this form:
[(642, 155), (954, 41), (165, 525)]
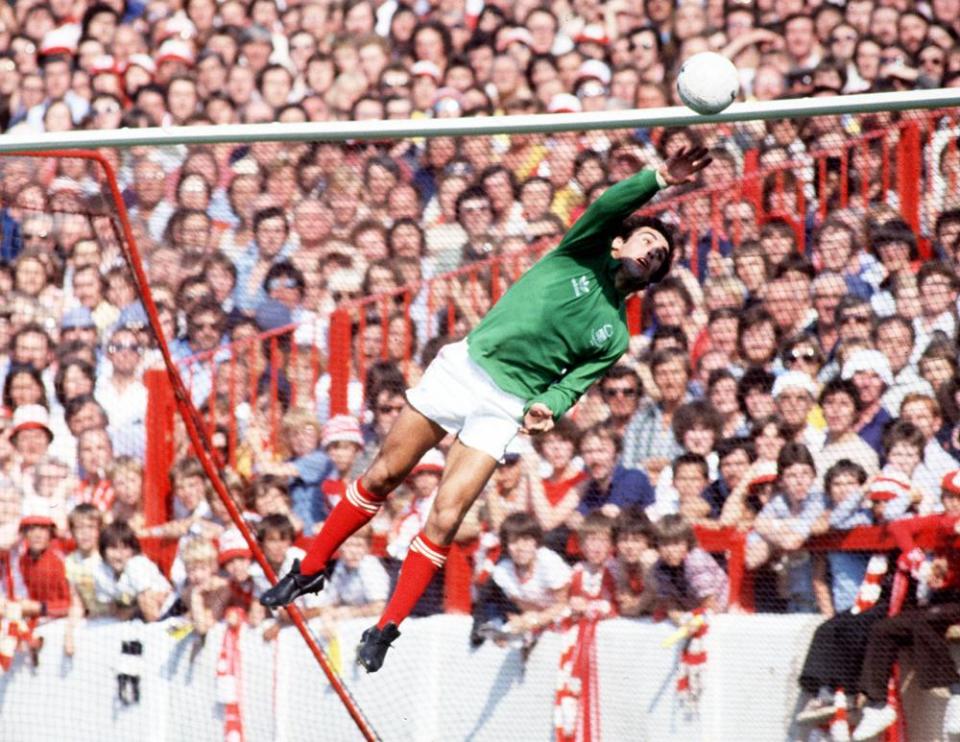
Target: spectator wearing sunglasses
[(121, 392), (621, 390)]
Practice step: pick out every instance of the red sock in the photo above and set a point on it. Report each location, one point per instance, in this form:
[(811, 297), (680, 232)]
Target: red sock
[(422, 562), (353, 512)]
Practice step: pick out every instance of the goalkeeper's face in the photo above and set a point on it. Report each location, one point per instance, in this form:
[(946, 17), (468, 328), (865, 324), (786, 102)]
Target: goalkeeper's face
[(641, 255)]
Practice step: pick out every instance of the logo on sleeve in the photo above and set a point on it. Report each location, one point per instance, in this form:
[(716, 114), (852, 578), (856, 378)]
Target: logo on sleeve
[(601, 335), (581, 286)]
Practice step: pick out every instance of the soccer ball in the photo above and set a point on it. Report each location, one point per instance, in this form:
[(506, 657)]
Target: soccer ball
[(708, 82)]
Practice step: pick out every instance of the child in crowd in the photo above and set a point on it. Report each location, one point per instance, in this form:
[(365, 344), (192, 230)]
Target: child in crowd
[(206, 594), (306, 467), (126, 473), (42, 569), (844, 482), (686, 577), (358, 587), (343, 443), (81, 566), (236, 560), (633, 567), (408, 521), (593, 590), (534, 578), (82, 563), (126, 580), (271, 496), (783, 526), (276, 534)]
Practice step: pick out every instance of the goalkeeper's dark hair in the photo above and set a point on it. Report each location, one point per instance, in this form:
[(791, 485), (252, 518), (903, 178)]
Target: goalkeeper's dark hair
[(632, 223)]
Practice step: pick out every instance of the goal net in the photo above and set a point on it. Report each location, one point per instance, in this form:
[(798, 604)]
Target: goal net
[(207, 342)]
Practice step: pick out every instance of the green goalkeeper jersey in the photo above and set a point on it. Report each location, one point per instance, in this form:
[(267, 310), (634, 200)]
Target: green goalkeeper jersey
[(563, 323)]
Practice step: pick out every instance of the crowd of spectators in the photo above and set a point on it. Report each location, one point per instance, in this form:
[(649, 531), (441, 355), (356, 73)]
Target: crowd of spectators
[(799, 353)]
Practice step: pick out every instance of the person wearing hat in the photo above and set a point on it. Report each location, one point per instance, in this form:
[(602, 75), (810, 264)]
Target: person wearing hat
[(517, 372), (31, 437), (342, 441), (235, 559), (44, 576), (870, 372), (795, 393)]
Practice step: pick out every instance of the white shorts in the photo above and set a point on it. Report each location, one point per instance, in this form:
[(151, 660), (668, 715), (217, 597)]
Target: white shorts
[(459, 396)]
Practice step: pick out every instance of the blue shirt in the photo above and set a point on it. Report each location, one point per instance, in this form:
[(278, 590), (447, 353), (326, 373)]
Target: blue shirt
[(307, 499), (627, 487), (872, 432)]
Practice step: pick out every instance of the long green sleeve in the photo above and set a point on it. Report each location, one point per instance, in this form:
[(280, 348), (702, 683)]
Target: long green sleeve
[(562, 325)]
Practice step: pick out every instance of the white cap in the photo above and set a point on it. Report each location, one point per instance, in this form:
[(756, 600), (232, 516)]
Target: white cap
[(564, 103), (427, 68), (794, 380), (594, 68), (868, 360)]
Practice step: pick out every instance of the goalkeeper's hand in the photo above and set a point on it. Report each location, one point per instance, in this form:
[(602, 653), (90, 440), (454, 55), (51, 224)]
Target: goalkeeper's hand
[(538, 420)]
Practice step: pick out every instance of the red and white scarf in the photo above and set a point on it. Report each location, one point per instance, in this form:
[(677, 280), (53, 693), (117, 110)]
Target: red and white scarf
[(693, 657), (576, 711), (16, 633), (229, 688), (99, 494), (872, 585)]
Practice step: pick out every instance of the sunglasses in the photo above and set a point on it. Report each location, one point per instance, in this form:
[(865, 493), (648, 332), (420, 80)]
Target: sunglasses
[(611, 392), (205, 325), (35, 235), (854, 319), (802, 355), (117, 347)]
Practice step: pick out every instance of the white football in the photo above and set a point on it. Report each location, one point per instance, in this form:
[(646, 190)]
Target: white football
[(708, 82)]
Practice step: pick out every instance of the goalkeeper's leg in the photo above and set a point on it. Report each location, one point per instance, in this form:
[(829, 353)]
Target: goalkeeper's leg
[(464, 477), (409, 438)]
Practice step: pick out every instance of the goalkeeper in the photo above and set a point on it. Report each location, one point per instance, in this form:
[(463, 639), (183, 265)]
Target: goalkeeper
[(553, 334)]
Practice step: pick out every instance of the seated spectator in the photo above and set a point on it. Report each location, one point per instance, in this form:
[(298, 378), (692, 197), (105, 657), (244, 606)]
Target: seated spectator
[(686, 577), (357, 588), (632, 569), (784, 524), (127, 581)]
